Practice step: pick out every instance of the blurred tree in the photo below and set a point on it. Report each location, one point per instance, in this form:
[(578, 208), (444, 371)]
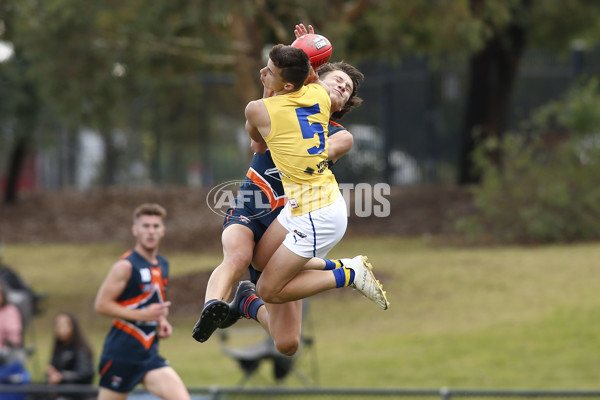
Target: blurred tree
[(19, 107), (492, 75), (490, 36), (138, 70), (513, 26), (95, 64)]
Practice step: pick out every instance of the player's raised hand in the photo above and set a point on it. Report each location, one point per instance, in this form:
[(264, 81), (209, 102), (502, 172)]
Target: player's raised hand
[(268, 93), (300, 30)]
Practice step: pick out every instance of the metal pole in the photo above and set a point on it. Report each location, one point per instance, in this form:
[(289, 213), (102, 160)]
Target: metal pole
[(445, 393)]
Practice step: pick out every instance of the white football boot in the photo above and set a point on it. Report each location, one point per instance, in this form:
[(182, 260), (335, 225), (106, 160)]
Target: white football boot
[(364, 280)]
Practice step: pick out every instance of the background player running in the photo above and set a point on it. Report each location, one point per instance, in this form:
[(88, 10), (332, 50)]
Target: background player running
[(133, 294)]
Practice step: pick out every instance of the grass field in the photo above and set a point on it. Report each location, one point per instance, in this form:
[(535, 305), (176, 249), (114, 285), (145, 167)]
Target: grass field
[(505, 317)]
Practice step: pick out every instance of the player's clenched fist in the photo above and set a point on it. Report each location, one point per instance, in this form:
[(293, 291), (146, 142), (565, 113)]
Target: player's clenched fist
[(157, 310)]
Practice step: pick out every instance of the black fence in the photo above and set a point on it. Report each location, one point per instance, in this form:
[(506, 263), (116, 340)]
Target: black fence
[(86, 392)]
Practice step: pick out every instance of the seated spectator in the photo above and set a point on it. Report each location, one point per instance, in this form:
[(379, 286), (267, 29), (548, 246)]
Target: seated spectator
[(71, 361), (20, 293), (12, 359), (11, 326)]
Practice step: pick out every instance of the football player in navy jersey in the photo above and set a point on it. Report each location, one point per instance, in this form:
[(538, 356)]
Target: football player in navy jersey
[(133, 294)]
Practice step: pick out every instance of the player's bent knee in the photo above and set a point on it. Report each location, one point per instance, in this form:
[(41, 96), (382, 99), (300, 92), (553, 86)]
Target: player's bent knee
[(268, 294), (240, 261), (271, 298), (287, 347)]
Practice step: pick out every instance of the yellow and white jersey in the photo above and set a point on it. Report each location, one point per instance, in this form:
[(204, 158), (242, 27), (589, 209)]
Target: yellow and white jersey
[(298, 145)]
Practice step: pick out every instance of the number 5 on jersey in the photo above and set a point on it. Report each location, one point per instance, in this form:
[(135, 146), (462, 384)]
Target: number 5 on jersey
[(310, 130)]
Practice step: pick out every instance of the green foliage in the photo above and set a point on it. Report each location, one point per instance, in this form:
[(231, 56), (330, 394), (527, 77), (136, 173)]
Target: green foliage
[(393, 30), (547, 188), (556, 23), (135, 66)]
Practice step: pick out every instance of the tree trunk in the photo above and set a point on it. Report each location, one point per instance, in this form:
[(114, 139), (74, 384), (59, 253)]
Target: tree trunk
[(17, 161), (492, 75), (27, 112), (248, 52)]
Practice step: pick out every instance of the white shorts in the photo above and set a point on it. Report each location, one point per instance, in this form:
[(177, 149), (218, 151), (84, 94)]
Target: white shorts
[(315, 233)]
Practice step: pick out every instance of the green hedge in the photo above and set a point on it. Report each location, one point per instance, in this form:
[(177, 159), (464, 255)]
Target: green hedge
[(547, 186)]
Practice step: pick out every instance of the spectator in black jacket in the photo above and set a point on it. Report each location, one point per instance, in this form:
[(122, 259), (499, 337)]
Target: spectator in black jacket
[(71, 361)]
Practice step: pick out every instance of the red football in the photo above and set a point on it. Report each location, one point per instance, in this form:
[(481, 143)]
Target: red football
[(317, 47)]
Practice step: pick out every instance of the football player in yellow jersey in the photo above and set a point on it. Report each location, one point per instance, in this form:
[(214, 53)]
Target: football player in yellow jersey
[(293, 124), (242, 230)]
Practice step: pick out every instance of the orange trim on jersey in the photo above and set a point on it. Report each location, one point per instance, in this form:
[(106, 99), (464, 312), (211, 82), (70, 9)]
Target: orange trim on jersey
[(157, 279), (126, 254), (106, 367), (137, 299), (266, 188), (158, 286), (146, 341), (335, 124)]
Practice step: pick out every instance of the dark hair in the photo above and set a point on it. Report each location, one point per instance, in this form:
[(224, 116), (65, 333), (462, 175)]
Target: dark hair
[(3, 295), (355, 75), (149, 209), (293, 62), (78, 340)]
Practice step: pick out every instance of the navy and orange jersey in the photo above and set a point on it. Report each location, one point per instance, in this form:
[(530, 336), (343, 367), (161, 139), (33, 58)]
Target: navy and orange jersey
[(334, 127), (138, 340), (261, 196), (264, 176)]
